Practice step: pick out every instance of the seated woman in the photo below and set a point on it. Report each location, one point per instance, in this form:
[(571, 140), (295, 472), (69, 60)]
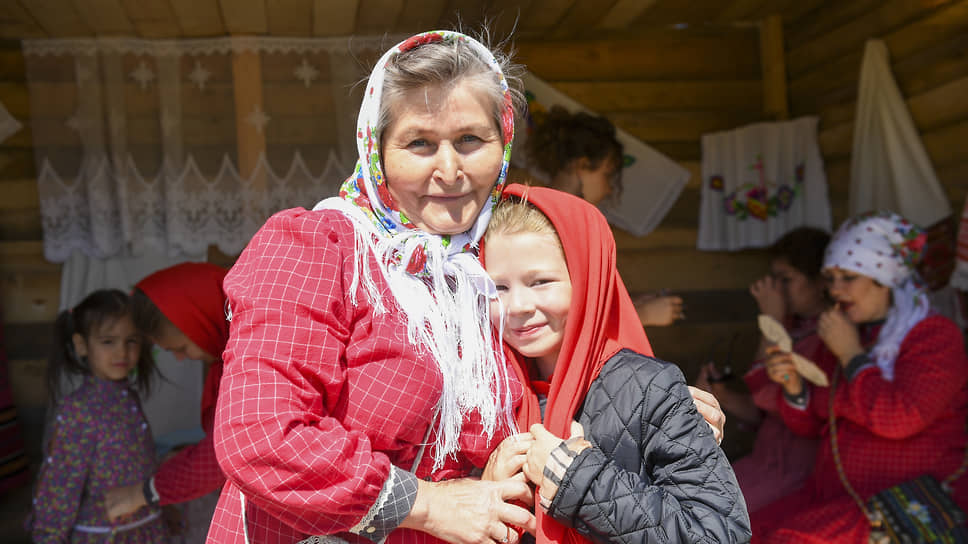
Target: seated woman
[(793, 294), (648, 469), (899, 391), (578, 153)]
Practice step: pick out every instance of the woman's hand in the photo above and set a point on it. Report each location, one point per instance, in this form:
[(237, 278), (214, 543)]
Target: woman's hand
[(508, 457), (708, 407), (468, 511), (121, 501), (659, 311), (840, 334), (769, 297), (780, 368)]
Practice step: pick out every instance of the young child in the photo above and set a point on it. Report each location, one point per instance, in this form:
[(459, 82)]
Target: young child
[(646, 468), (99, 438)]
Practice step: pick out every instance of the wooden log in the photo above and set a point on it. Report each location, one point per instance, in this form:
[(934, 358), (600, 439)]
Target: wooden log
[(680, 126), (647, 96), (420, 15), (947, 144), (290, 17), (543, 15), (28, 386), (249, 110), (16, 21), (18, 194), (815, 25), (773, 67), (20, 224), (30, 285), (152, 18), (57, 18), (679, 151), (244, 16), (199, 17), (851, 36), (377, 15), (334, 18), (659, 55), (661, 238), (16, 163), (105, 17), (684, 269)]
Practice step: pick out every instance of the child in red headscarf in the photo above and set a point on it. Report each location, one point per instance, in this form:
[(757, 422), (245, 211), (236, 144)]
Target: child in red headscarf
[(640, 464), (182, 310)]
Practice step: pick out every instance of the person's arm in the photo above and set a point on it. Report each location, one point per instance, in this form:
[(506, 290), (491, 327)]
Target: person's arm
[(929, 371), (688, 492), (62, 478)]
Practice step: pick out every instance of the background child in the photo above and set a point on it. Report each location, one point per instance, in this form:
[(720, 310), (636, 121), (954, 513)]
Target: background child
[(648, 468), (99, 437)]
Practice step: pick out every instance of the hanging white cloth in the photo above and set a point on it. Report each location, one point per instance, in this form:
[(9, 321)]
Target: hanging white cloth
[(889, 167), (8, 125), (651, 182), (759, 182)]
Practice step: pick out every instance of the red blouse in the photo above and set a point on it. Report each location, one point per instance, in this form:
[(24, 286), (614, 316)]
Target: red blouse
[(321, 393)]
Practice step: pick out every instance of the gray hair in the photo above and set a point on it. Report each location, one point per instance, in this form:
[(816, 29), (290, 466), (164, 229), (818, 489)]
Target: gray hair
[(446, 64)]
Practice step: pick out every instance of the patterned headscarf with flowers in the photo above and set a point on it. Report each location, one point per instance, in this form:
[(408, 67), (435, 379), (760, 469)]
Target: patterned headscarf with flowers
[(886, 248), (436, 280)]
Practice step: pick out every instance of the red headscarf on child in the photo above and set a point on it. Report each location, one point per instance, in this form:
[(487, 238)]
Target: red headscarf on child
[(601, 321), (191, 297)]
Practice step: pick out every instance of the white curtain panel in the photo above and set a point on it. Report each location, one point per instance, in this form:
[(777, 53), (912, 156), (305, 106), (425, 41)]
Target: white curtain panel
[(651, 181), (136, 141), (759, 182), (889, 167)]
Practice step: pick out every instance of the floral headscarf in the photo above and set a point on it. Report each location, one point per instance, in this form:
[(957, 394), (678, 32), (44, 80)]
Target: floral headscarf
[(885, 247), (436, 280)]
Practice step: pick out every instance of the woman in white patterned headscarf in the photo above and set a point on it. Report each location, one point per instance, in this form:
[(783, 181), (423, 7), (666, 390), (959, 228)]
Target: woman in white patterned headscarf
[(900, 388)]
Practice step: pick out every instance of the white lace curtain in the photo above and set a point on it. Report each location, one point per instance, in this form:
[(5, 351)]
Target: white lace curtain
[(172, 146)]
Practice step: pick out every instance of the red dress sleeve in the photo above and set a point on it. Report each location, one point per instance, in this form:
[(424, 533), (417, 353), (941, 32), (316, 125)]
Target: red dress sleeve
[(194, 471), (929, 372)]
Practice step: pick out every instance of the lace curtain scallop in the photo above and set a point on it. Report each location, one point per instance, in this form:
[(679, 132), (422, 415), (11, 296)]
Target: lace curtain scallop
[(174, 145)]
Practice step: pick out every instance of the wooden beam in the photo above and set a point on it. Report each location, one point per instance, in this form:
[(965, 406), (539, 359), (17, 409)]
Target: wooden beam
[(376, 16), (543, 15), (654, 96), (680, 126), (59, 19), (888, 17), (622, 12), (17, 23), (290, 17), (774, 68), (152, 18), (198, 17), (658, 55), (833, 15), (421, 15), (684, 269), (250, 115), (244, 16), (105, 17), (334, 18)]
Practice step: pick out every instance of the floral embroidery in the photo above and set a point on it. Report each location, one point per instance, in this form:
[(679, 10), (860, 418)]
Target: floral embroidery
[(754, 199)]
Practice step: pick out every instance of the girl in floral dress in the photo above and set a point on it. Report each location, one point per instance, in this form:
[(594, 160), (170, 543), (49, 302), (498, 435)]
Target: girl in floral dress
[(99, 438)]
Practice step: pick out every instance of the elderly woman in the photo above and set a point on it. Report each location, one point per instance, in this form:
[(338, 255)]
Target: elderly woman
[(361, 368), (899, 390)]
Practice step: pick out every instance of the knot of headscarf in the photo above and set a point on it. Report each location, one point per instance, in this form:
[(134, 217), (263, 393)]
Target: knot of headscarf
[(885, 247), (436, 280)]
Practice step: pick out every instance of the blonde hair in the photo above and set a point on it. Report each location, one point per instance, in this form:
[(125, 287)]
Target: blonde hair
[(516, 216)]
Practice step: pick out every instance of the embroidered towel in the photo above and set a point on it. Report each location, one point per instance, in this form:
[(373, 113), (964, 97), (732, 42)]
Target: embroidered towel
[(760, 181)]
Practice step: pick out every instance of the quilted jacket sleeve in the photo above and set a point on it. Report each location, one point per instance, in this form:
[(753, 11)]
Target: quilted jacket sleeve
[(655, 473)]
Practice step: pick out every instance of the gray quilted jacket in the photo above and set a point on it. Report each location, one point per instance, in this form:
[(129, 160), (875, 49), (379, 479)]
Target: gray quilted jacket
[(656, 473)]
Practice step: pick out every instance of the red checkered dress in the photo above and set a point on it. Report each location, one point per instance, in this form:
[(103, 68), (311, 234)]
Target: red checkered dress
[(193, 471), (320, 394), (887, 432)]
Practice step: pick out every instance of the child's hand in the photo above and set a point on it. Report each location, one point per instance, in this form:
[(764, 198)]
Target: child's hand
[(780, 369), (508, 457), (659, 311), (541, 452), (840, 334), (121, 501)]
